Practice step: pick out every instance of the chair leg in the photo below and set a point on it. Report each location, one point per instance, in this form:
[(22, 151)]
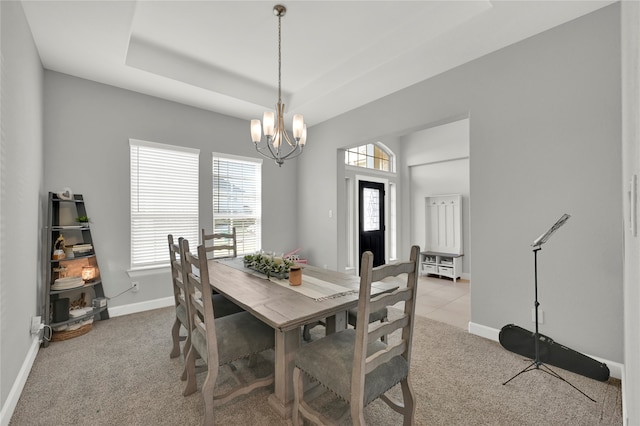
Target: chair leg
[(207, 396), (175, 336), (407, 406), (357, 413), (306, 334), (409, 402), (185, 350), (190, 369), (298, 391)]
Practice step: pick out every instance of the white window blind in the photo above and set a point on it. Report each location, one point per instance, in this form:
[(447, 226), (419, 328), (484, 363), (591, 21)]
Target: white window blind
[(164, 199), (237, 199)]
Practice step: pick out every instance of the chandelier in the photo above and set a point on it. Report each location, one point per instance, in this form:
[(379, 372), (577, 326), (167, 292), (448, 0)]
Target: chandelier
[(279, 146)]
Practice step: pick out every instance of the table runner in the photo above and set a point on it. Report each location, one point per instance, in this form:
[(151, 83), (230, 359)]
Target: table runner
[(315, 288), (311, 287)]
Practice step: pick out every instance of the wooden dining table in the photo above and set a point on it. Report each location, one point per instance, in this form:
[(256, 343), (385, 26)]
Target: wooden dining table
[(286, 311)]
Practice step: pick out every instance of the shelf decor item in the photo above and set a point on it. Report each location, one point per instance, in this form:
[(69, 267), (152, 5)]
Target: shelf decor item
[(83, 220), (65, 194), (71, 332), (88, 273), (61, 309), (271, 266), (58, 249)]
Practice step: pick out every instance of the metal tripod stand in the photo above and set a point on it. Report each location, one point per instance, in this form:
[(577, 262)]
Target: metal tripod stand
[(536, 364)]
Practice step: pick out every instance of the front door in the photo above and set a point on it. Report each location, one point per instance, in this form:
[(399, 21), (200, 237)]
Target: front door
[(371, 230)]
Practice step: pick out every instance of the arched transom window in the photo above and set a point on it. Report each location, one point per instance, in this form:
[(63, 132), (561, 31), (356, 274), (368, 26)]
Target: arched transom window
[(370, 156)]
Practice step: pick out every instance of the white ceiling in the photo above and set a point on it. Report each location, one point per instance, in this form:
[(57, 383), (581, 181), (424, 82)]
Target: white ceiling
[(336, 55)]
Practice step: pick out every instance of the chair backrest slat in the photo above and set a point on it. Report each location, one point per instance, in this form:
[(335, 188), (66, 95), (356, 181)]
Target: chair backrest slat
[(379, 329), (220, 245), (199, 306), (365, 333), (391, 270), (381, 357), (390, 299)]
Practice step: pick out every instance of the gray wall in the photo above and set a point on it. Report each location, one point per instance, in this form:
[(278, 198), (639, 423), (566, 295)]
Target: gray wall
[(20, 192), (544, 140), (87, 129), (631, 166)]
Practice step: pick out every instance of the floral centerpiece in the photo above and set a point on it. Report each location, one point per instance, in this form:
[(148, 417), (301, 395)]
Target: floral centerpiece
[(271, 266)]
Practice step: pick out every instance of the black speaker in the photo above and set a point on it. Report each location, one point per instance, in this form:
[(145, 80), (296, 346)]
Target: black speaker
[(60, 310)]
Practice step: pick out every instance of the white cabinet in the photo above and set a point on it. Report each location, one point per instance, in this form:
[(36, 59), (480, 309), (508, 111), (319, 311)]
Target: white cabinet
[(441, 264)]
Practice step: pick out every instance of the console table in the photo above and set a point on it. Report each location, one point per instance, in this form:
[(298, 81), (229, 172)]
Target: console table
[(441, 264)]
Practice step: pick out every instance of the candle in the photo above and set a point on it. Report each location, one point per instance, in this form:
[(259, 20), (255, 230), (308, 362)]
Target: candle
[(295, 275), (88, 273)]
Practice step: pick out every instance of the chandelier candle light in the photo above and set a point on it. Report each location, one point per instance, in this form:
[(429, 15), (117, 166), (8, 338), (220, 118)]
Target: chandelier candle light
[(274, 130)]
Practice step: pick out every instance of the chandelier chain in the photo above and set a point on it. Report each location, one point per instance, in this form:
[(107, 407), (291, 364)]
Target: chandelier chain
[(279, 57)]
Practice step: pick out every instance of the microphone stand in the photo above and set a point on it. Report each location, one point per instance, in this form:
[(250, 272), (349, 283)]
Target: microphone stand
[(536, 363)]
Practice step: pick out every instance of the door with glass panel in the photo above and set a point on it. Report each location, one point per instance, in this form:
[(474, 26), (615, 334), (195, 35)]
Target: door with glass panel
[(371, 232)]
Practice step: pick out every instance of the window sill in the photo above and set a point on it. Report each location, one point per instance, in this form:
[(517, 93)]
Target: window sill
[(150, 270)]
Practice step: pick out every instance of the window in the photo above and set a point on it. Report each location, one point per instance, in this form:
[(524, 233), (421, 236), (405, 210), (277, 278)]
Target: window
[(393, 231), (371, 209), (237, 199), (164, 200), (370, 156)]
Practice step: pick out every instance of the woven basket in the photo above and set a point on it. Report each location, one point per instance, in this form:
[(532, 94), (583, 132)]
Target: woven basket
[(59, 336)]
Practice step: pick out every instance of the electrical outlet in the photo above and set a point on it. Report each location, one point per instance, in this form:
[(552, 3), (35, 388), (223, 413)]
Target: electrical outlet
[(36, 324), (135, 285), (540, 315)]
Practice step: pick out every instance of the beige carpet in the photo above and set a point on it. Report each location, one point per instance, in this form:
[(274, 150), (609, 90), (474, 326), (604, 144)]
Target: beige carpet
[(120, 374)]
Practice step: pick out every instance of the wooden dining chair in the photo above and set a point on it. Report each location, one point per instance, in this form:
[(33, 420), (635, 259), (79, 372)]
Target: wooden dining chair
[(221, 246), (354, 364), (225, 306), (381, 315), (218, 341), (182, 320)]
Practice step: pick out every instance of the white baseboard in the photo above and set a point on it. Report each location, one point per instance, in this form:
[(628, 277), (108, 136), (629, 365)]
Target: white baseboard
[(615, 368), (16, 390), (148, 305), (483, 331)]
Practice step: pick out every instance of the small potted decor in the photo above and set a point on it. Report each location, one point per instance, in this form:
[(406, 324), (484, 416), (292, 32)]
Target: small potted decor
[(83, 221)]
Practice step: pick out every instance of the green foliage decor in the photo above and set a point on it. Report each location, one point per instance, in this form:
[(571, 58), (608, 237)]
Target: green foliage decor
[(271, 266)]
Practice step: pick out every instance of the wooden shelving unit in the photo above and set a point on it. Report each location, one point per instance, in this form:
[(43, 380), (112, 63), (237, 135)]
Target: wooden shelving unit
[(61, 222)]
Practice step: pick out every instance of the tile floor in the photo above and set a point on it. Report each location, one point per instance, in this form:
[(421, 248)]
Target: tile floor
[(443, 300)]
